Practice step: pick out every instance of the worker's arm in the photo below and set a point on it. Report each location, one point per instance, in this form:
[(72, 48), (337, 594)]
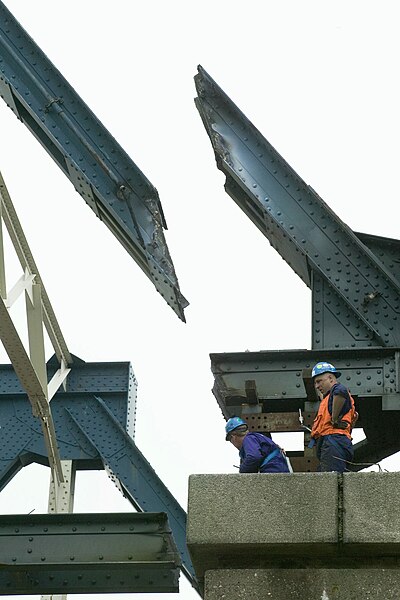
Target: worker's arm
[(253, 455), (337, 405)]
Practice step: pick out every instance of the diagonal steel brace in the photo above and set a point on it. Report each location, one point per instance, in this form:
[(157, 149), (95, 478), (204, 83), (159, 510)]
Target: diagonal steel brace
[(100, 170), (296, 221)]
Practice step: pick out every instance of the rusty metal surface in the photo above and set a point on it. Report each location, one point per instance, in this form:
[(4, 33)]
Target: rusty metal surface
[(281, 385), (274, 422)]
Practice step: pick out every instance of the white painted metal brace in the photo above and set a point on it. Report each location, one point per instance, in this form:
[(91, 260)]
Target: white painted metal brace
[(31, 368)]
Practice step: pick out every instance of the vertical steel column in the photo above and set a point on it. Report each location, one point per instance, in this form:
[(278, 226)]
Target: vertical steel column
[(61, 500)]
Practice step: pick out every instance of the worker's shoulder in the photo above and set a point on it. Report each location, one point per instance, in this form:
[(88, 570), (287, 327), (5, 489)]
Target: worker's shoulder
[(340, 390), (260, 436)]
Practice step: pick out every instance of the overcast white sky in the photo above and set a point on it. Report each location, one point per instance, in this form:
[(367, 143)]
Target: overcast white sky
[(317, 78)]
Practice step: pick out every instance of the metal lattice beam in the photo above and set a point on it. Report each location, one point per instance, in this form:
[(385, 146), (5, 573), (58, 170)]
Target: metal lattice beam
[(94, 423), (100, 170), (28, 265), (31, 366)]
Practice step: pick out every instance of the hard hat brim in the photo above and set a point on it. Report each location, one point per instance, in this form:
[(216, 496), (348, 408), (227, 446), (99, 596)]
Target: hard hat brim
[(228, 434), (234, 429), (335, 373)]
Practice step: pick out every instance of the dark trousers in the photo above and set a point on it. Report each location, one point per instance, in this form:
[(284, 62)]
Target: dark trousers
[(333, 451)]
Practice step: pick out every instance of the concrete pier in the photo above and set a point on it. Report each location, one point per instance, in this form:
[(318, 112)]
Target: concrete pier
[(301, 536)]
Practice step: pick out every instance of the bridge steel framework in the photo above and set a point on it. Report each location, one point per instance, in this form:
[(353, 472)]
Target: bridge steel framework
[(355, 284)]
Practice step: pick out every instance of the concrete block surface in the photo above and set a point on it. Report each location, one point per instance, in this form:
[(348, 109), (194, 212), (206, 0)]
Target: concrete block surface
[(279, 508), (302, 584), (294, 521), (251, 520), (371, 509)]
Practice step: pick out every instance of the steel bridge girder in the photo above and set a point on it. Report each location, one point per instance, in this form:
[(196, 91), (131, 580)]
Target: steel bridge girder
[(100, 170), (282, 382), (298, 223), (93, 421), (87, 553)]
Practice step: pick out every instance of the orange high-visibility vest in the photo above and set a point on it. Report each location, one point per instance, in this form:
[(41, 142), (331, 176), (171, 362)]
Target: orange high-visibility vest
[(322, 423)]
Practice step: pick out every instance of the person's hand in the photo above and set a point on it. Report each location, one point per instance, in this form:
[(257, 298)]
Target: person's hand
[(339, 424)]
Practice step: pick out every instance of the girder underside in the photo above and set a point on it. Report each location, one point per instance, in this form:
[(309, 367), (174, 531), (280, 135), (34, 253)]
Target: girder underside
[(87, 553), (100, 170), (269, 387)]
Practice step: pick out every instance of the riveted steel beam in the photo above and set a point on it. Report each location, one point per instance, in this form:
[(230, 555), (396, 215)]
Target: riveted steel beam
[(357, 295), (100, 170), (87, 553), (131, 472), (279, 375), (93, 421), (332, 323), (116, 381), (277, 422), (281, 379), (24, 442)]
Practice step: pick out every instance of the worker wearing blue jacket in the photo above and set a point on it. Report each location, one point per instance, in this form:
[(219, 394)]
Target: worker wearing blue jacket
[(258, 453)]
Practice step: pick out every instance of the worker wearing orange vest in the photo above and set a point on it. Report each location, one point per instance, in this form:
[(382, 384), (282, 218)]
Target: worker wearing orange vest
[(331, 430)]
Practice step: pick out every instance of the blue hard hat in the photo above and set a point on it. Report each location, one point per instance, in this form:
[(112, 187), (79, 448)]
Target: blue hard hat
[(324, 367), (233, 423)]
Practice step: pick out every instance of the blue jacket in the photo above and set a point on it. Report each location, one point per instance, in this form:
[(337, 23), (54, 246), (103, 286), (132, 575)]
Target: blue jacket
[(256, 447)]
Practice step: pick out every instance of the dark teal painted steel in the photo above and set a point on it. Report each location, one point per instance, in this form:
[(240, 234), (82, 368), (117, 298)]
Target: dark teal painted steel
[(94, 429), (100, 170), (356, 294), (280, 380), (129, 469), (87, 553)]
